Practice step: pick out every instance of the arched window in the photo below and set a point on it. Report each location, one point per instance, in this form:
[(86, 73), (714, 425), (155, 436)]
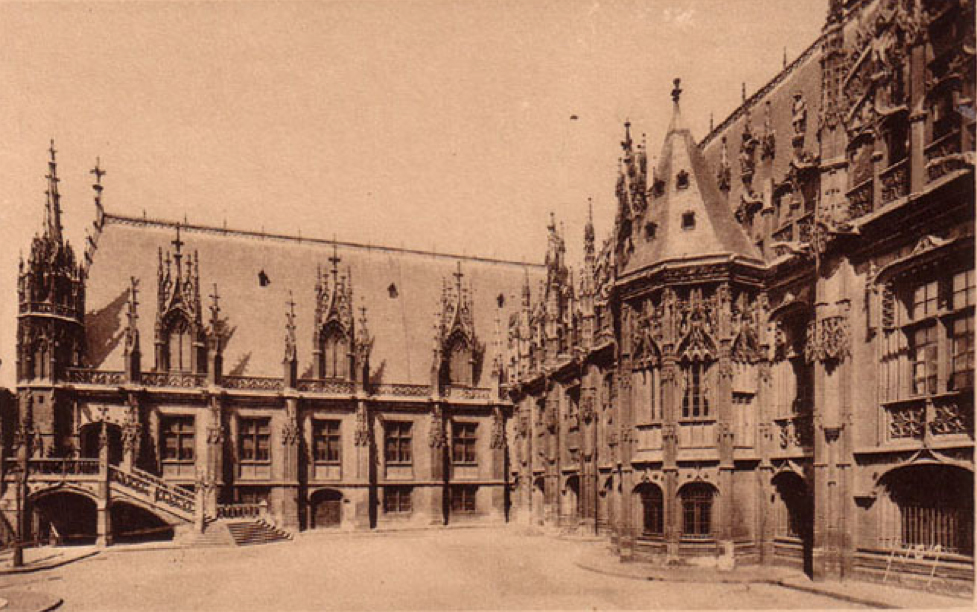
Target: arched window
[(180, 346), (334, 355), (695, 399), (930, 506), (652, 509), (697, 511)]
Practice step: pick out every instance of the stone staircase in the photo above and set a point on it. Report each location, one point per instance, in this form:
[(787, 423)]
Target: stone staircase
[(249, 533)]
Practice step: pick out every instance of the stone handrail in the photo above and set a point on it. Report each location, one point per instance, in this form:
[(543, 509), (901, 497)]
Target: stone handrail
[(249, 510), (171, 379), (253, 383), (402, 389), (326, 386), (157, 490), (96, 377), (473, 393), (62, 467)]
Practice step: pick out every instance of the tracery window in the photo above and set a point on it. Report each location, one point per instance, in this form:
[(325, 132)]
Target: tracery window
[(647, 393), (695, 399)]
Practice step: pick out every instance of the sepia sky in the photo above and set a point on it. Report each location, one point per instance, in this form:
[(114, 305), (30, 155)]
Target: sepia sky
[(439, 125)]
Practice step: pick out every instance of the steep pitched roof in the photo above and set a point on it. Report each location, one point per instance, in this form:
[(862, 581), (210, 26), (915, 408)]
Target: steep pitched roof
[(688, 187), (401, 290)]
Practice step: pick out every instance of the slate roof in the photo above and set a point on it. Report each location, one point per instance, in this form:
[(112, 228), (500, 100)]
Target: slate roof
[(715, 231), (401, 321)]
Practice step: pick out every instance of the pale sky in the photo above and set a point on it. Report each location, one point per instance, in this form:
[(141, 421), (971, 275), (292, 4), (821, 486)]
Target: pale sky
[(441, 125)]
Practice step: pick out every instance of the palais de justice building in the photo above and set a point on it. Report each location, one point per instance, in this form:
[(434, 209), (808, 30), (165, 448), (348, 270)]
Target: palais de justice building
[(769, 359)]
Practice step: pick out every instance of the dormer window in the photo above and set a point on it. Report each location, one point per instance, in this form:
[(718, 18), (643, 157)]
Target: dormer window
[(688, 220), (334, 363), (650, 228), (682, 180)]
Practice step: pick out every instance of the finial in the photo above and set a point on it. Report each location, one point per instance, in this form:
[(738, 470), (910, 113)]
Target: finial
[(215, 304), (99, 173), (711, 124), (291, 307), (458, 276), (177, 243), (785, 57), (677, 91), (743, 90), (53, 152), (335, 259)]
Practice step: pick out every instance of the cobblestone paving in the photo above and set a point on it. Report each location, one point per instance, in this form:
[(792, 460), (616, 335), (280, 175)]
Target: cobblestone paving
[(454, 569)]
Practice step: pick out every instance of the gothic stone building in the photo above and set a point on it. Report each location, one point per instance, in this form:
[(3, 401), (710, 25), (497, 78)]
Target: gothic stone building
[(770, 358), (181, 375)]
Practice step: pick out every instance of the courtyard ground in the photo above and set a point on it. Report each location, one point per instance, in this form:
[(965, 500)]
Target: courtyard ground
[(444, 569)]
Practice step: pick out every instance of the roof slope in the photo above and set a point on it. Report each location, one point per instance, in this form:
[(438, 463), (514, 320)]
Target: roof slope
[(714, 231), (401, 321)]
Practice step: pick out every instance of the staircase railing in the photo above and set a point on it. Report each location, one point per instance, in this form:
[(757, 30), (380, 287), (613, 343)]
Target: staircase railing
[(248, 510), (157, 490)]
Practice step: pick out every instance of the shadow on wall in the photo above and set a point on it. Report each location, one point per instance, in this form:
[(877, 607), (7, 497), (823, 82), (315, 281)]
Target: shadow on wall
[(103, 330), (376, 376), (241, 366)]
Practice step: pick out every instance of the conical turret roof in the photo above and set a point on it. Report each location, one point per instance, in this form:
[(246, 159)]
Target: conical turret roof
[(688, 216)]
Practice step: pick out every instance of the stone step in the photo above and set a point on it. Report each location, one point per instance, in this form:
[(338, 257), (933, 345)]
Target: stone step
[(248, 533)]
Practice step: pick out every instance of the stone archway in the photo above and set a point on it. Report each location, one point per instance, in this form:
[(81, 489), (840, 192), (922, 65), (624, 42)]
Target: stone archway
[(795, 514), (927, 505), (132, 523), (325, 509), (63, 516)]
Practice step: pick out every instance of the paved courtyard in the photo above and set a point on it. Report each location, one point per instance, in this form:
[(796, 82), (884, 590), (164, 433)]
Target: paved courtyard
[(448, 569)]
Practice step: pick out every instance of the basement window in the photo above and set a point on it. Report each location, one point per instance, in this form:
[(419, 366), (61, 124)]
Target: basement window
[(688, 220)]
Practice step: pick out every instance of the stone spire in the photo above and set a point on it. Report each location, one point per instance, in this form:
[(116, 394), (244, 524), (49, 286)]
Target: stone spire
[(52, 211)]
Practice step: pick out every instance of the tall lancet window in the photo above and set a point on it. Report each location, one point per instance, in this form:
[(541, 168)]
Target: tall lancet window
[(696, 392), (180, 346), (334, 355), (460, 364)]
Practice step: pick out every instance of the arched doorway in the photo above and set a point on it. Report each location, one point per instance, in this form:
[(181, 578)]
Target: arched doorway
[(64, 517), (928, 506), (650, 509), (539, 498), (90, 435), (326, 509), (795, 514), (132, 524), (571, 499)]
